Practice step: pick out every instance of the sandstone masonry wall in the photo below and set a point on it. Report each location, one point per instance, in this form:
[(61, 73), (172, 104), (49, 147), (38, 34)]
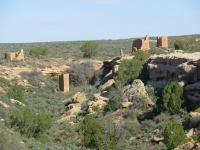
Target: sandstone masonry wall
[(142, 44), (64, 82), (162, 41), (15, 55)]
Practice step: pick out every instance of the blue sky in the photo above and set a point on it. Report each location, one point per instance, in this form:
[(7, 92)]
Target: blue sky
[(24, 21)]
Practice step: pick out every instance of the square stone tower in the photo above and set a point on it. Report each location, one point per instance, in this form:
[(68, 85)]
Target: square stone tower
[(64, 82)]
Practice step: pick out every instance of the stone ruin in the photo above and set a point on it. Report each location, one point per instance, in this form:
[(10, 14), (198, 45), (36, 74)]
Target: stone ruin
[(121, 53), (15, 55), (162, 41), (64, 82), (142, 44)]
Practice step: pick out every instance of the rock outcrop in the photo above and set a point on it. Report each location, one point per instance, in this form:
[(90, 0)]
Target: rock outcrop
[(74, 108), (175, 66), (106, 85), (97, 100), (79, 97), (194, 119), (186, 146), (137, 90), (192, 92)]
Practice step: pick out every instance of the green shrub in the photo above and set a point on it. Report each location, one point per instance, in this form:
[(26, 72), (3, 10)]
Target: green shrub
[(197, 110), (113, 133), (91, 132), (28, 123), (16, 92), (3, 86), (38, 51), (4, 81), (115, 99), (158, 51), (81, 73), (34, 78), (180, 44), (141, 55), (130, 113), (128, 71), (95, 108), (174, 135), (10, 141), (90, 49), (172, 98)]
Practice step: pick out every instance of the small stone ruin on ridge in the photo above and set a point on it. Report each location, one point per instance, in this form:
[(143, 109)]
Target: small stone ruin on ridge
[(15, 55), (143, 44)]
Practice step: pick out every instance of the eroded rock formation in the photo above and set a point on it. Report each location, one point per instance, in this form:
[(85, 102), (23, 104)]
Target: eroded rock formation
[(192, 92), (137, 90), (175, 66)]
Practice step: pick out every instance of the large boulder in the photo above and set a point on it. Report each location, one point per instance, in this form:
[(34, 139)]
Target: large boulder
[(72, 111), (106, 85), (194, 119), (186, 146), (97, 100), (136, 89), (79, 97)]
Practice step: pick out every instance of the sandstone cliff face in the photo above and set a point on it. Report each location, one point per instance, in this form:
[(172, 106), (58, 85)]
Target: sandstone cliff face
[(192, 92), (174, 66)]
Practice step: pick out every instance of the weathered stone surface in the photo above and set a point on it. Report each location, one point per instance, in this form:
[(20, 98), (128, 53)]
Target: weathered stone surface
[(197, 146), (16, 102), (186, 146), (15, 55), (190, 133), (79, 97), (136, 89), (162, 42), (71, 112), (126, 104), (97, 96), (97, 100), (106, 78), (157, 139), (54, 71), (106, 85), (142, 44), (192, 92), (121, 53), (194, 119), (183, 83), (4, 104), (115, 66), (174, 65), (100, 103)]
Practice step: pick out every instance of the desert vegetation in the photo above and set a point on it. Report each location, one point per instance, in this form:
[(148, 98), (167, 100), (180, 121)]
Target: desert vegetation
[(128, 114)]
